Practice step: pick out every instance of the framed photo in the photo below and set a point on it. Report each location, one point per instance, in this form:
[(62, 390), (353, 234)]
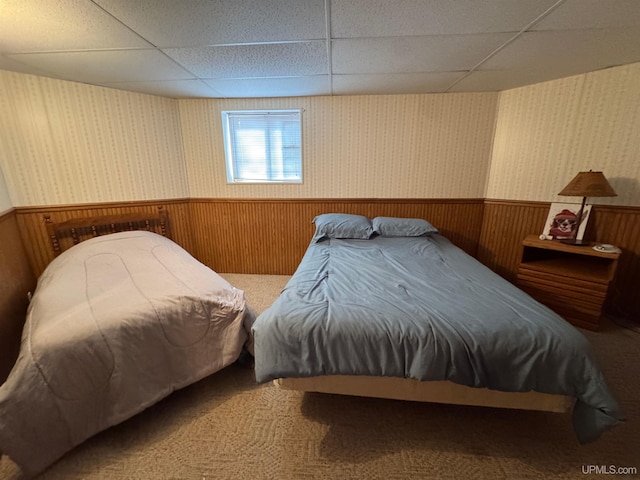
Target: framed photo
[(562, 221)]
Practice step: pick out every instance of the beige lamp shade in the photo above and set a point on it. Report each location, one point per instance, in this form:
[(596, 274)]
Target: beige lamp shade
[(588, 184)]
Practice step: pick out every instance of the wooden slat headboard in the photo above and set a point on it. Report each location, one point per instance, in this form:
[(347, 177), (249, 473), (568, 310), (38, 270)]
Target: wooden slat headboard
[(64, 235)]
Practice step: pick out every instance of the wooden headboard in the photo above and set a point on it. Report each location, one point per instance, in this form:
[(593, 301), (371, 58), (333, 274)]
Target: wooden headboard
[(63, 235)]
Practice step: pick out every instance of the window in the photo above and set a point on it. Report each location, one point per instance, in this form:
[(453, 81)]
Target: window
[(263, 146)]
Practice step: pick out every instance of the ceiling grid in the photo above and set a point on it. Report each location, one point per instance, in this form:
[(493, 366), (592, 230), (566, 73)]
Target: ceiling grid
[(279, 48)]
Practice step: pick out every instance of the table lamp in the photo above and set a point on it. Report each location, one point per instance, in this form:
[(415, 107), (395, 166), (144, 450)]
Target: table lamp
[(586, 184)]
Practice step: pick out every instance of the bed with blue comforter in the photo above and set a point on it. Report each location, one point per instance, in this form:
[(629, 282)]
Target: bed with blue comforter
[(415, 306)]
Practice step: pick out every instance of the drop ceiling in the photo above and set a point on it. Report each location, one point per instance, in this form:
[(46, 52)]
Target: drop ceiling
[(273, 48)]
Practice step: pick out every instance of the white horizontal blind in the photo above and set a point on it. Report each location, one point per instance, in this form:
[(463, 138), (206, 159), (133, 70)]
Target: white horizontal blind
[(263, 146)]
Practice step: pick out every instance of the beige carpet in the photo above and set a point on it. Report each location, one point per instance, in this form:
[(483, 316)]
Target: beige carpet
[(227, 427)]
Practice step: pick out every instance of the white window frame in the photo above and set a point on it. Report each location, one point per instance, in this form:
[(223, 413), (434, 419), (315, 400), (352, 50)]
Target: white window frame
[(229, 147)]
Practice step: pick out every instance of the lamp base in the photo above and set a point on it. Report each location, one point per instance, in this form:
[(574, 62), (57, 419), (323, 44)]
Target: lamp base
[(577, 243)]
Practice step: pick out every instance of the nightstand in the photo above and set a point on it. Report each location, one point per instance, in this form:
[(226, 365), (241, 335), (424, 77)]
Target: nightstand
[(571, 280)]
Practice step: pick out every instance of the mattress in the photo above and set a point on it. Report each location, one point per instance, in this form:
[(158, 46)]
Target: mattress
[(115, 324), (421, 308)]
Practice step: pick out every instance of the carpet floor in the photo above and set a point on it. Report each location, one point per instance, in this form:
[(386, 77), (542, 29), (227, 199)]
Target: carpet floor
[(228, 427)]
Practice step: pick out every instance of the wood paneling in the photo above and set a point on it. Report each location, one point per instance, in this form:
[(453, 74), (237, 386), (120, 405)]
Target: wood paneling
[(38, 246), (270, 236), (17, 281), (67, 234), (504, 226), (620, 226), (507, 223)]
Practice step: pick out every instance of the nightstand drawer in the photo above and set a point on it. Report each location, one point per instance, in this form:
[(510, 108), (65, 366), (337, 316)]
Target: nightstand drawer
[(533, 275), (571, 280), (586, 316), (567, 303), (565, 291)]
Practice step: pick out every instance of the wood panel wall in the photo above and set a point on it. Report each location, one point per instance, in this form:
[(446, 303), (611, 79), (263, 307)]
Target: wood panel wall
[(506, 223), (270, 236), (257, 236), (38, 246), (17, 279)]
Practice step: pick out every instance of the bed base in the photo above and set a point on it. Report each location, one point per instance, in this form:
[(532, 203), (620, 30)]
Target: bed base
[(436, 392)]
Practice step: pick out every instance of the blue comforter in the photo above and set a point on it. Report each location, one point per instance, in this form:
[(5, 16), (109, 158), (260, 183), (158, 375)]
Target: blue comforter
[(421, 308)]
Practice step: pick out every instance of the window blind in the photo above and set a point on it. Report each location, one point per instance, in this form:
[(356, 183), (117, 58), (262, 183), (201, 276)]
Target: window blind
[(263, 146)]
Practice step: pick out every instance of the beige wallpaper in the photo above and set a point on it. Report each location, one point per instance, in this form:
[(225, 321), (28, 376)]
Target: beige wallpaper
[(373, 146), (5, 200), (547, 133), (65, 143)]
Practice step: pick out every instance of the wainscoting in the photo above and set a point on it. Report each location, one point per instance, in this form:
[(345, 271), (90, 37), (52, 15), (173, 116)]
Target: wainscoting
[(17, 280), (38, 245), (269, 236), (506, 223), (255, 236)]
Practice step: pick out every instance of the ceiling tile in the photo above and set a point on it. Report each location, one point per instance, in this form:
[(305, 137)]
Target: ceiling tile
[(564, 53), (445, 53), (583, 14), (246, 61), (272, 87), (497, 80), (171, 88), (268, 48), (107, 65), (189, 23), (44, 25), (389, 18), (402, 83), (15, 66)]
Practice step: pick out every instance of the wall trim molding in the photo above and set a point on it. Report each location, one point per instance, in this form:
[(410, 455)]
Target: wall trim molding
[(356, 201), (289, 200), (531, 203), (528, 203), (90, 206)]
